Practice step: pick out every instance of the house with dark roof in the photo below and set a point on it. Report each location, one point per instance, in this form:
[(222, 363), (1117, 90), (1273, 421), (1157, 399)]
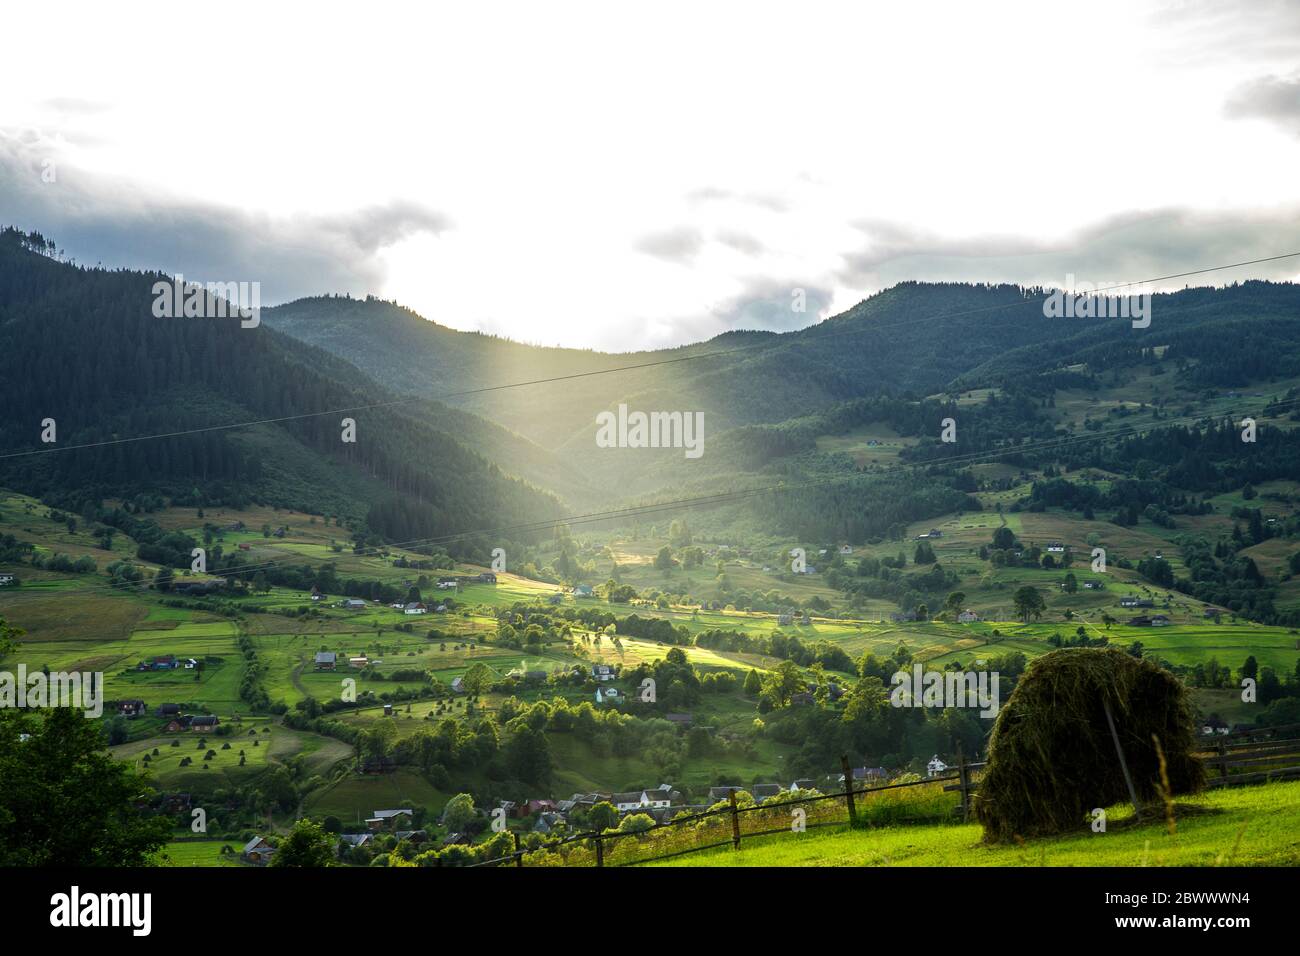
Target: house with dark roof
[(168, 710), (325, 660), (204, 722), (131, 708), (764, 791)]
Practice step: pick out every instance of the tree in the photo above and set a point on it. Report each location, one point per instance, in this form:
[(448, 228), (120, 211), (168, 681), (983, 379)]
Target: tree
[(1251, 668), (1029, 603), (1004, 539), (162, 581), (8, 637), (306, 845), (924, 553), (753, 684), (64, 801), (783, 682), (664, 560), (477, 679), (603, 816), (458, 812), (1071, 583)]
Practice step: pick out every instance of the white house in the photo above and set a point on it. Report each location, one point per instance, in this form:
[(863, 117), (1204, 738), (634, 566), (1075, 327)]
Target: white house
[(644, 800), (936, 766), (967, 617), (416, 608), (6, 579)]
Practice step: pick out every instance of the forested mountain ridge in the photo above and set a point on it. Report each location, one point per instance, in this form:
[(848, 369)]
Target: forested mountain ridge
[(913, 339), (84, 349)]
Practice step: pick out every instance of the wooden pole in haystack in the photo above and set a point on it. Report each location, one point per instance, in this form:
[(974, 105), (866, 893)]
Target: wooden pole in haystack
[(1123, 764)]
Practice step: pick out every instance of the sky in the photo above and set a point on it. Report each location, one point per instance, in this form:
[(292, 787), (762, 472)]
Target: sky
[(619, 178)]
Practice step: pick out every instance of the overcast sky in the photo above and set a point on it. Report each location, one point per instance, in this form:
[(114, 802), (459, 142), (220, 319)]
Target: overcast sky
[(619, 178)]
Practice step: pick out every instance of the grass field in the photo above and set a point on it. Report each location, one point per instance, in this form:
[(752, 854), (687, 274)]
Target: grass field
[(1246, 826)]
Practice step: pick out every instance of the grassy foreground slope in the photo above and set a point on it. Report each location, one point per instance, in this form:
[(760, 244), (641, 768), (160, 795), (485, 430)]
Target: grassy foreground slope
[(1247, 826)]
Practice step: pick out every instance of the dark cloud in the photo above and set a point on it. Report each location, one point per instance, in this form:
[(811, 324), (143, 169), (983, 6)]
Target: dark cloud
[(1124, 248), (1273, 98), (680, 244), (99, 221)]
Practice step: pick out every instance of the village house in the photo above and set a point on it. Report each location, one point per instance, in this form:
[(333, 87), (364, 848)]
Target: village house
[(487, 577), (204, 723), (416, 608), (458, 685), (803, 783), (602, 672), (354, 604), (1160, 620), (679, 720), (967, 617), (359, 661), (547, 822), (1055, 547), (764, 791), (6, 579), (388, 819), (641, 800), (131, 708), (168, 710), (935, 766), (582, 591), (325, 660), (1140, 621), (866, 775), (258, 851), (722, 793)]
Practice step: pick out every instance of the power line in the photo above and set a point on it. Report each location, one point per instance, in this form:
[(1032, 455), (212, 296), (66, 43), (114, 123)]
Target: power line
[(818, 336)]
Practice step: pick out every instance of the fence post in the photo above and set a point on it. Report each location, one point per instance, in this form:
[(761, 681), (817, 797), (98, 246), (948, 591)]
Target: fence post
[(600, 851), (1223, 759), (848, 789), (964, 780), (519, 857), (735, 821)]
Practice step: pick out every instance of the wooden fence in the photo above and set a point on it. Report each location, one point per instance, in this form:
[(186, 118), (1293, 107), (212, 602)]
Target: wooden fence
[(1246, 757)]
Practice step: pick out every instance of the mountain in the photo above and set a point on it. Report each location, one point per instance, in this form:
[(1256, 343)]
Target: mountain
[(92, 356)]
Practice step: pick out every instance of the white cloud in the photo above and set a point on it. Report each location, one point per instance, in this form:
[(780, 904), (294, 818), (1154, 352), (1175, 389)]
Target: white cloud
[(595, 175)]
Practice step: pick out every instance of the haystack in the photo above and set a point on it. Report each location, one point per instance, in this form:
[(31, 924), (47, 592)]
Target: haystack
[(1051, 755)]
